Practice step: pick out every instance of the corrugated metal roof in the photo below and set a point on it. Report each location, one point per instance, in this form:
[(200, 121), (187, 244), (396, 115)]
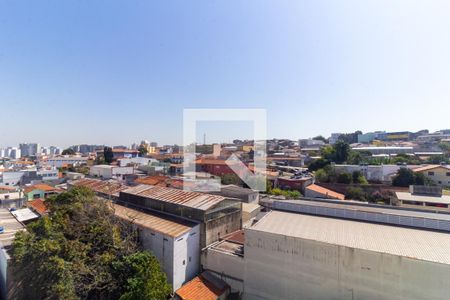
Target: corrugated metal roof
[(404, 196), (10, 226), (161, 224), (186, 198), (412, 243), (99, 186)]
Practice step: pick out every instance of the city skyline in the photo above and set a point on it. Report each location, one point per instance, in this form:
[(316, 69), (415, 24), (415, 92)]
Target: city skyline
[(78, 72)]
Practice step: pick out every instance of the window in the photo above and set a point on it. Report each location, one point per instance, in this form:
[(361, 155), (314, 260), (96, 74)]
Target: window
[(184, 262), (189, 259), (431, 173), (447, 174)]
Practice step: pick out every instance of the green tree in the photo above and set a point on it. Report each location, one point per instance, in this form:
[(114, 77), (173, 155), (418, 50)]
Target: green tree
[(231, 179), (108, 154), (142, 150), (68, 151), (344, 178), (406, 177), (318, 164), (358, 177), (328, 152), (356, 193), (342, 151), (321, 175), (82, 251)]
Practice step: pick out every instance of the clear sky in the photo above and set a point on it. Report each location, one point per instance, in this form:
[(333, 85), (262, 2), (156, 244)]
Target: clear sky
[(115, 72)]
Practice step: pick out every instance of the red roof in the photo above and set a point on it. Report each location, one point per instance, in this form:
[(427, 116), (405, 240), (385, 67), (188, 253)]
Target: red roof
[(153, 180), (41, 186), (429, 167), (326, 192), (39, 206), (200, 288)]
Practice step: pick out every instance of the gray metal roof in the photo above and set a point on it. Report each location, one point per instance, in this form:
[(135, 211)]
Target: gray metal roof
[(411, 243), (196, 200), (405, 196)]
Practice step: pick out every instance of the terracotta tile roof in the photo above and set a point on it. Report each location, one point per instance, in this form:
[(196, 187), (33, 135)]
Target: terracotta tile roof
[(39, 206), (200, 288), (429, 167), (41, 186), (210, 161), (153, 180), (326, 192), (99, 186)]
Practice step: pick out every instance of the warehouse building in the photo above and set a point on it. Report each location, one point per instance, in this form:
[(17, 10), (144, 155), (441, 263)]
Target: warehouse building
[(298, 256), (217, 215), (174, 242)]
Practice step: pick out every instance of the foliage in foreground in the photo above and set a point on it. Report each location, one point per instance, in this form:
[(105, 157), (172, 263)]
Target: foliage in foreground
[(81, 251)]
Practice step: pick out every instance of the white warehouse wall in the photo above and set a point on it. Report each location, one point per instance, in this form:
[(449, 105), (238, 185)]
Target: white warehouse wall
[(281, 267)]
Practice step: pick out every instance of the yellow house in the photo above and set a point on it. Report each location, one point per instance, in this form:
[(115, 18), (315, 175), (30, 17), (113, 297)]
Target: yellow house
[(439, 174)]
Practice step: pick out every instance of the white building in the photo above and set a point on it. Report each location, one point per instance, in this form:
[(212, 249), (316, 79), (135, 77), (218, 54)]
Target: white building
[(108, 172), (140, 161), (296, 256), (381, 173), (334, 138), (60, 161), (175, 243)]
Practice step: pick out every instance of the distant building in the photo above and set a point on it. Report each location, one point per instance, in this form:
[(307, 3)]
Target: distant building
[(29, 149), (334, 138), (233, 191), (439, 174), (310, 143), (61, 161), (109, 172), (316, 191), (387, 150), (39, 191)]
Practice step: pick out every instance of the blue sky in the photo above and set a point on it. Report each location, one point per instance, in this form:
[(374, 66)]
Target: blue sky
[(115, 72)]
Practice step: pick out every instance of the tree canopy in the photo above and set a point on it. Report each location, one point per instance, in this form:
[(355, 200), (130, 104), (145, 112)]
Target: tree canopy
[(82, 251), (68, 151), (108, 154), (142, 150), (406, 177)]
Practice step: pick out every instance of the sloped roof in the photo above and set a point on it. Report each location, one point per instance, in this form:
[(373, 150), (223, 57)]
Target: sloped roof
[(196, 200), (326, 192), (39, 206), (153, 221), (200, 288), (430, 167), (153, 180), (41, 186)]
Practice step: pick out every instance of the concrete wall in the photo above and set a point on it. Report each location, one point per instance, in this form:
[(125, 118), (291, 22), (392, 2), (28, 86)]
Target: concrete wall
[(280, 267), (220, 227), (186, 262), (172, 252), (228, 267)]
